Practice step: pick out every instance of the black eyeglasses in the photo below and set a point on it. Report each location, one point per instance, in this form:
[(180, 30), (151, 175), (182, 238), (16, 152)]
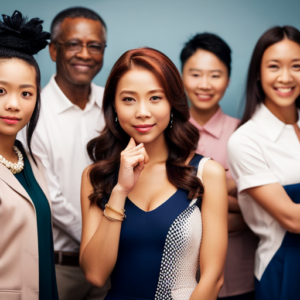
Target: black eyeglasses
[(93, 47)]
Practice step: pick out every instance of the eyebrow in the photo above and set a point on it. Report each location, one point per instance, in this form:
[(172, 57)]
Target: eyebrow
[(199, 70), (21, 86), (150, 92), (276, 60), (27, 86)]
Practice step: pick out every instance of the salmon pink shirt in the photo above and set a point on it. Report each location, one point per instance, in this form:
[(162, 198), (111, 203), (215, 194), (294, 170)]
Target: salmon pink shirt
[(239, 265), (214, 136)]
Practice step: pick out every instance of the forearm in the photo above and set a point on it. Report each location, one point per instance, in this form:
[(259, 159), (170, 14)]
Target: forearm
[(208, 288), (233, 205), (100, 254), (236, 222)]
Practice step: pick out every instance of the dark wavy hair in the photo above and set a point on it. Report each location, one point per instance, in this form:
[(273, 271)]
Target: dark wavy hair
[(21, 39), (254, 91), (181, 139)]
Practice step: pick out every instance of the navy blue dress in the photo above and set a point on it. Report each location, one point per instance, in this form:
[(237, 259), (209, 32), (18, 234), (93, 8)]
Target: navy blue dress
[(281, 279), (159, 250)]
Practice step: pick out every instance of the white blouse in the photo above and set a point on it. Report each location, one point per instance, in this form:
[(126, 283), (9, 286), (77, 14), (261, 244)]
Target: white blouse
[(263, 151)]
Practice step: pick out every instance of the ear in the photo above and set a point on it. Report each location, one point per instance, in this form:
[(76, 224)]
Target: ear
[(228, 82), (53, 51)]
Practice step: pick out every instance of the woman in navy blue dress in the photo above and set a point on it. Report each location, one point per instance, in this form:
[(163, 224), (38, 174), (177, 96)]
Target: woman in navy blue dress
[(148, 201)]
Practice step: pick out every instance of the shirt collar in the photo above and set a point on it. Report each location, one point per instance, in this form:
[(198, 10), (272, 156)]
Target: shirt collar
[(272, 126), (214, 126), (62, 103)]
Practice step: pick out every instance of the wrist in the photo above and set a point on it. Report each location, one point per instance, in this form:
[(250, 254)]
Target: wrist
[(120, 191)]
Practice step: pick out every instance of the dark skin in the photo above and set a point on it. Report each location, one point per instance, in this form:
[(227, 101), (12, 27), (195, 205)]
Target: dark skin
[(76, 70)]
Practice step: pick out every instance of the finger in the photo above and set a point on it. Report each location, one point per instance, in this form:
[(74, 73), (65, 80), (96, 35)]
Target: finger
[(130, 145), (139, 167), (135, 151), (134, 148), (146, 157)]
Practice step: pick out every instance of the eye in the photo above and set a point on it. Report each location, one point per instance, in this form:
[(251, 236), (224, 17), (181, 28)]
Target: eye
[(2, 91), (195, 75), (155, 98), (26, 94), (297, 67), (274, 67), (95, 46), (215, 76), (127, 99)]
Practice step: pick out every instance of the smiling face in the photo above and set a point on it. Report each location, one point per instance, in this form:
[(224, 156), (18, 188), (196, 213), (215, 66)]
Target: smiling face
[(78, 67), (141, 105), (18, 94), (280, 74), (205, 79)]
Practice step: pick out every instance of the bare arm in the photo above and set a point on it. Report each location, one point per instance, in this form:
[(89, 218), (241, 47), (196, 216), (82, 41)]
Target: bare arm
[(273, 198), (236, 222), (100, 236), (214, 242)]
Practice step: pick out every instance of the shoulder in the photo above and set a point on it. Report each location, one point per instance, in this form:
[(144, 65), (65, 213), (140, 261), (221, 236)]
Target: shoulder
[(231, 120), (246, 135), (86, 173), (213, 170)]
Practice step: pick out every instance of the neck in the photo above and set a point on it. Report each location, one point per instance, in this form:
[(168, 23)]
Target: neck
[(287, 115), (203, 116), (77, 94), (6, 148), (157, 150)]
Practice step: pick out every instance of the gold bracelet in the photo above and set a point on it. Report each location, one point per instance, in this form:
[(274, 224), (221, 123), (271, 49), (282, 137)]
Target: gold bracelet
[(112, 219), (120, 212)]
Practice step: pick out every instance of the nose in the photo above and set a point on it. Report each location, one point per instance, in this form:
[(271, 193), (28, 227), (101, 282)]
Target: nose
[(204, 83), (83, 53), (12, 104), (143, 111), (285, 76)]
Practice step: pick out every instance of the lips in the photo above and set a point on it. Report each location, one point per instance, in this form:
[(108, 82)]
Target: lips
[(82, 67), (284, 91), (10, 120), (204, 97), (144, 127)]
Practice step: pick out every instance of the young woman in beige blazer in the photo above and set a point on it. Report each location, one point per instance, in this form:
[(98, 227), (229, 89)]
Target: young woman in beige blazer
[(26, 244)]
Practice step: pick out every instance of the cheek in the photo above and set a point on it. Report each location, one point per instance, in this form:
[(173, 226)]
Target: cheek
[(28, 108), (220, 86)]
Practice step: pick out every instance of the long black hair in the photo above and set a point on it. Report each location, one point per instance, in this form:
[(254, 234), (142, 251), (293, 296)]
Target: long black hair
[(254, 91), (20, 38)]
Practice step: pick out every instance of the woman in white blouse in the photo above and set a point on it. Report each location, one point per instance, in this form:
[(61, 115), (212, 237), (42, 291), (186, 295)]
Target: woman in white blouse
[(264, 157)]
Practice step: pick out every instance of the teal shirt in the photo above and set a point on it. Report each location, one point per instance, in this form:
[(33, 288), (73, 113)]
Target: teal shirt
[(47, 277)]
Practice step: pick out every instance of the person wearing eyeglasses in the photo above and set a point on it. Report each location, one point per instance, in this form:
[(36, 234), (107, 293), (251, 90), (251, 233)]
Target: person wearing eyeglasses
[(70, 117)]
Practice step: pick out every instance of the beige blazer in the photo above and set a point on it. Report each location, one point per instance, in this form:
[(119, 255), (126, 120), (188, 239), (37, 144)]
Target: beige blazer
[(19, 265)]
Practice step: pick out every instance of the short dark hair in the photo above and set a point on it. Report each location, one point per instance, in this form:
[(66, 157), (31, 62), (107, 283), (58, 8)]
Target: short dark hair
[(254, 91), (209, 42), (73, 12)]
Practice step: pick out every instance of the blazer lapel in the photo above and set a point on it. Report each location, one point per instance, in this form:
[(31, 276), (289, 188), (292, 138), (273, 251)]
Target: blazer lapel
[(8, 177)]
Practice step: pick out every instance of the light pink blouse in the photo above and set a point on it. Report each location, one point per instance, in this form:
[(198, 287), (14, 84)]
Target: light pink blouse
[(239, 266)]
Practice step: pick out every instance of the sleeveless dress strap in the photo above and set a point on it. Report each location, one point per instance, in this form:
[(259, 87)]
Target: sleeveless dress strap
[(201, 166)]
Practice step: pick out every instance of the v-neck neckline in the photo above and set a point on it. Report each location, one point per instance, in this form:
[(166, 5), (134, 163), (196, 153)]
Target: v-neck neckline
[(166, 201), (156, 208)]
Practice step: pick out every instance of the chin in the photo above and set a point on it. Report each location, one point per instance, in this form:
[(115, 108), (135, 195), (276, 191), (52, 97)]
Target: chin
[(82, 80)]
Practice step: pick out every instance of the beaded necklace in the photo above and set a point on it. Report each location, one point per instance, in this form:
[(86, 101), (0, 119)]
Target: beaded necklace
[(14, 167)]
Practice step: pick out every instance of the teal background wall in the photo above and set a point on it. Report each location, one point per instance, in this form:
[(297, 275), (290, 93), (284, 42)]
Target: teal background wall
[(167, 24)]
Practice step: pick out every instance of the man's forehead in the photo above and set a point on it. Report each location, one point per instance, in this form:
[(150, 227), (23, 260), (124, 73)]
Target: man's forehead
[(82, 27)]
